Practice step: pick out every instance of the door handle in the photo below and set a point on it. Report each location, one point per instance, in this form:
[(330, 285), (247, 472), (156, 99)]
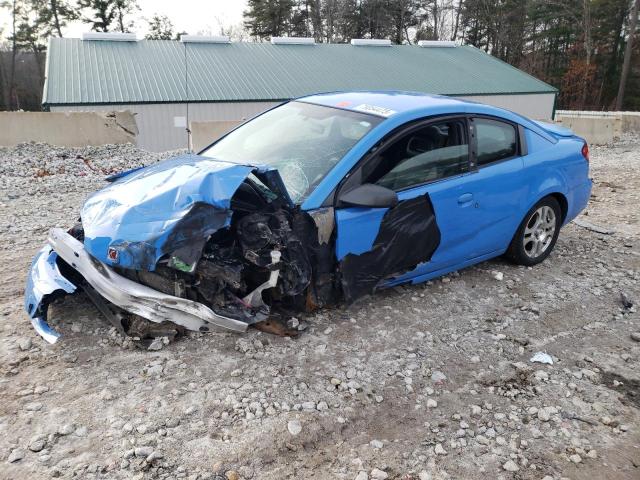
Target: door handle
[(465, 198)]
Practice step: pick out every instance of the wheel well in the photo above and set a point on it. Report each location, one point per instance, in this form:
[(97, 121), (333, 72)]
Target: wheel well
[(564, 205)]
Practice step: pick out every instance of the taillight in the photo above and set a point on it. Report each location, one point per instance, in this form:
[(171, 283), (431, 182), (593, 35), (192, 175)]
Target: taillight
[(585, 151)]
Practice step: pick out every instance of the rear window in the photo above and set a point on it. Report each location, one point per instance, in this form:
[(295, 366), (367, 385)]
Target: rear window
[(496, 140)]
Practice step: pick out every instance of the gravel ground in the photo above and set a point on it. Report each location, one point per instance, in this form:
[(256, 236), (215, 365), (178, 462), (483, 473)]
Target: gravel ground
[(421, 382)]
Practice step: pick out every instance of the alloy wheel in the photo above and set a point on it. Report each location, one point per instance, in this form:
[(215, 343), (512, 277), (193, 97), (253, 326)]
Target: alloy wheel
[(539, 232)]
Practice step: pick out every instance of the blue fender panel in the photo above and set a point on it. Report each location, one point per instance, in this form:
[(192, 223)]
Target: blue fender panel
[(160, 209), (358, 229)]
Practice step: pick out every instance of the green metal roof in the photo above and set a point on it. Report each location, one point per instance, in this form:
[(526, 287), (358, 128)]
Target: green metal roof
[(81, 72)]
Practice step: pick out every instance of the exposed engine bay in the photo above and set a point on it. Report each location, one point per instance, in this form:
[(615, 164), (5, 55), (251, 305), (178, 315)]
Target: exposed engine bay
[(267, 257)]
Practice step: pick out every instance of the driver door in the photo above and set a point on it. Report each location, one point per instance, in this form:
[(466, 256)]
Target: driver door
[(427, 166)]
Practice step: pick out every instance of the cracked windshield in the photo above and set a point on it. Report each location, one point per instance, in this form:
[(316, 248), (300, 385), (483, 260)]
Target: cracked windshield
[(303, 141)]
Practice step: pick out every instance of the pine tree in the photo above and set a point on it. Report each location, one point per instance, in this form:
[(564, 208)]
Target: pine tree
[(160, 28), (268, 18), (122, 9), (53, 15), (104, 14)]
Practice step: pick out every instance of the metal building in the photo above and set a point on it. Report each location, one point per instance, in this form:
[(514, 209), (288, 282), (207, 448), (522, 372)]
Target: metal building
[(210, 79)]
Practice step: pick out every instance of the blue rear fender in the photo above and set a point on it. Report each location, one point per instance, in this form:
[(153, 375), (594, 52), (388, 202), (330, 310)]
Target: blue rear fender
[(557, 169)]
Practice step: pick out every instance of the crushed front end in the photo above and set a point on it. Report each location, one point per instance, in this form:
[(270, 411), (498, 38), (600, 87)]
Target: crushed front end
[(190, 243)]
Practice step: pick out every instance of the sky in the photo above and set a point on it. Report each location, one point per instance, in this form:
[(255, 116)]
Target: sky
[(193, 16)]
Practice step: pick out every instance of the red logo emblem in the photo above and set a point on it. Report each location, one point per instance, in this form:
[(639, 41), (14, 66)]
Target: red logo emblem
[(112, 254)]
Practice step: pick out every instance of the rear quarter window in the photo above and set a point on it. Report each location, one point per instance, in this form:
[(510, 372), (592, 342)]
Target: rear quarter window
[(495, 141)]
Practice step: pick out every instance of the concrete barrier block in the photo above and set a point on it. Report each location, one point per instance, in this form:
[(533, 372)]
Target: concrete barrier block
[(204, 133), (595, 130), (631, 122), (68, 129)]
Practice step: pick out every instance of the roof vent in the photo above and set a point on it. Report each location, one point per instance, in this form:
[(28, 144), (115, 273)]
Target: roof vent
[(205, 39), (110, 36), (371, 42), (292, 41), (436, 43)]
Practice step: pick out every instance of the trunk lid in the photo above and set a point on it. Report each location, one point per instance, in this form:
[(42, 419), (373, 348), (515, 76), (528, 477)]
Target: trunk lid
[(554, 129)]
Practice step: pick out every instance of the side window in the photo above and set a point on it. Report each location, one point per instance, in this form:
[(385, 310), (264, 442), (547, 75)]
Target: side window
[(496, 140), (429, 153)]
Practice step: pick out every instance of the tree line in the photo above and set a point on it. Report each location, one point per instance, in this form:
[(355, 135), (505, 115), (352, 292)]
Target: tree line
[(34, 21), (584, 48), (576, 45)]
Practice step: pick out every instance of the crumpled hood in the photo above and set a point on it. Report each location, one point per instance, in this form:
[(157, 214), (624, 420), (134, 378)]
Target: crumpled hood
[(172, 206)]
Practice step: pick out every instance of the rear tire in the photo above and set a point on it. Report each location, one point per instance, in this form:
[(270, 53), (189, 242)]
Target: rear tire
[(537, 234)]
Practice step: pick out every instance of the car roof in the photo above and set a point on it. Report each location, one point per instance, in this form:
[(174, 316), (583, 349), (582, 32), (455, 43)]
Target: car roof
[(392, 101), (406, 106)]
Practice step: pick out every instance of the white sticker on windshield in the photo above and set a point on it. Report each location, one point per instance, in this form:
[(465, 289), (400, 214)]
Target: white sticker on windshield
[(384, 112)]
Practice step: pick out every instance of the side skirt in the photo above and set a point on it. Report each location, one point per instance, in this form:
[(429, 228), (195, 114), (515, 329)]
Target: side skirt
[(438, 273)]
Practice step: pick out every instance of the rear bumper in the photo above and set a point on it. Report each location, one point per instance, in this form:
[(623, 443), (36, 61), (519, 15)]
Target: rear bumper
[(45, 281)]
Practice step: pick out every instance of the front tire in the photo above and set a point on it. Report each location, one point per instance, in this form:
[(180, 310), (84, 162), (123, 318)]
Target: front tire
[(537, 234)]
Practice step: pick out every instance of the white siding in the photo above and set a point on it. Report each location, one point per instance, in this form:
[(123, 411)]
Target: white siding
[(537, 106), (155, 122), (158, 133)]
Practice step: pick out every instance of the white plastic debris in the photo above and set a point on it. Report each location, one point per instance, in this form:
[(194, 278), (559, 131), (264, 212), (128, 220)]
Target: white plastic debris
[(541, 357)]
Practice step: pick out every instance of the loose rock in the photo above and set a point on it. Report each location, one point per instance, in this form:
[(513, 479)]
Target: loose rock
[(376, 444), (37, 443), (24, 344), (377, 474), (16, 455), (143, 451), (294, 427), (439, 449)]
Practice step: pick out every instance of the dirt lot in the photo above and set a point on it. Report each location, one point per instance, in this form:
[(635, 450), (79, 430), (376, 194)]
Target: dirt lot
[(421, 382)]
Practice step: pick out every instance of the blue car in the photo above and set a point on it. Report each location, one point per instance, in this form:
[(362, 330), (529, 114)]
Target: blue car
[(320, 200)]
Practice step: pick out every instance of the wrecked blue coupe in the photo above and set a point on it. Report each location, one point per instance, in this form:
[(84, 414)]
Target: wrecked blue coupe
[(319, 200)]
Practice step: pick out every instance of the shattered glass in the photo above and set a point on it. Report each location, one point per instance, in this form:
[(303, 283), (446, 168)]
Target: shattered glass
[(302, 141)]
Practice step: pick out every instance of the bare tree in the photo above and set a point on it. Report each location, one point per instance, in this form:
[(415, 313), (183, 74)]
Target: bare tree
[(457, 9), (15, 7), (627, 55)]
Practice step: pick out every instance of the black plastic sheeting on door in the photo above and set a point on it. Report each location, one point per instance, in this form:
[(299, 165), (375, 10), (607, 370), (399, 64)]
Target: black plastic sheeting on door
[(408, 236)]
